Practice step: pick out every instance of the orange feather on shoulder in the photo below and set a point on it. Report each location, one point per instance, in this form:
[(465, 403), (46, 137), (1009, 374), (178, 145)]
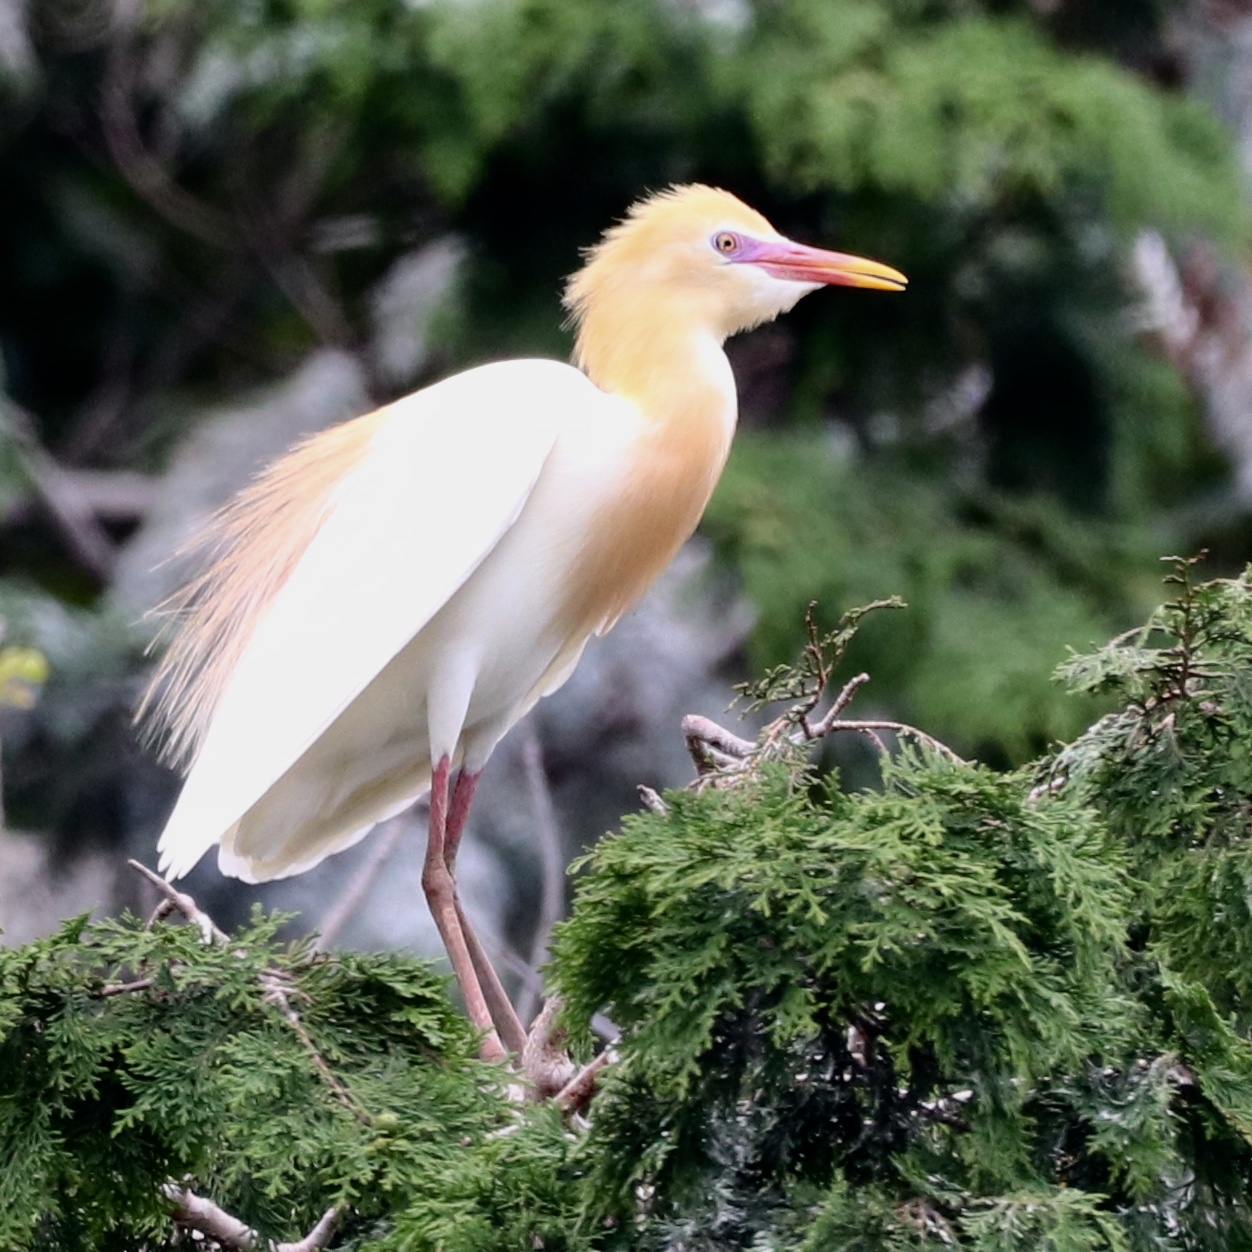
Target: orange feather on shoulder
[(250, 548)]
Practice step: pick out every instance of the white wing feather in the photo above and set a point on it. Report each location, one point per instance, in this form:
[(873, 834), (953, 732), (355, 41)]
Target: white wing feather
[(445, 478)]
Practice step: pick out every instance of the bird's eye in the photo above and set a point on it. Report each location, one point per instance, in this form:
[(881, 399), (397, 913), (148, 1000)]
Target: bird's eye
[(726, 243)]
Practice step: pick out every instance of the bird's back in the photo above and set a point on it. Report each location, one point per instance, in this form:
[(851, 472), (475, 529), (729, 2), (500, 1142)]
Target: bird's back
[(321, 725)]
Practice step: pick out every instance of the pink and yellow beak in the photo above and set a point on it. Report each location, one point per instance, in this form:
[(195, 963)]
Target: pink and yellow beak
[(802, 264)]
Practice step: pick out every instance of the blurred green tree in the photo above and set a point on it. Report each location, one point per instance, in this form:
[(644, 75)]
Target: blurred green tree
[(196, 195)]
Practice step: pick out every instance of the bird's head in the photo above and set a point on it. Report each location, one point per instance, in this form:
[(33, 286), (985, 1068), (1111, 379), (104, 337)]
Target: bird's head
[(701, 254)]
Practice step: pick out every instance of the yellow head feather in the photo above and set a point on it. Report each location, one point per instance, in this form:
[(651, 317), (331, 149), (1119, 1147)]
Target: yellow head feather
[(655, 270)]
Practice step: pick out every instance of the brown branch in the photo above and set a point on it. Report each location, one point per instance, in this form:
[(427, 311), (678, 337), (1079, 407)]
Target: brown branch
[(295, 277), (273, 234), (194, 1212)]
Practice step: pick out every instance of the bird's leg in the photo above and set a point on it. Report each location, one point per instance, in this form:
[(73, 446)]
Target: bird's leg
[(440, 889), (501, 1007)]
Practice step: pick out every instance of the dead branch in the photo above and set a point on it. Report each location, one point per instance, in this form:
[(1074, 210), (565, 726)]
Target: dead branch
[(904, 731), (842, 700), (319, 1236), (124, 988), (719, 754), (194, 1212), (652, 800), (184, 904)]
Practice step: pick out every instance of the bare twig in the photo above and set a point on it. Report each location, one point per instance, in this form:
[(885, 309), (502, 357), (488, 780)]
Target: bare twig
[(184, 904), (124, 988), (652, 800), (904, 731), (194, 1212), (362, 882), (160, 913), (842, 700), (721, 755)]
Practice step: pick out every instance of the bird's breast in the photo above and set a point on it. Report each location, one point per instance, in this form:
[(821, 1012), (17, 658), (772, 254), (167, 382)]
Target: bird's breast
[(649, 508)]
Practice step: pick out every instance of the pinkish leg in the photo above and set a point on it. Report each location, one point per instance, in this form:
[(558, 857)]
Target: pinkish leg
[(502, 1012), (440, 889)]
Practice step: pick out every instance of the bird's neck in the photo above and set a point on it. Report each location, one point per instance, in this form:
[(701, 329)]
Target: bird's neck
[(669, 364), (679, 380)]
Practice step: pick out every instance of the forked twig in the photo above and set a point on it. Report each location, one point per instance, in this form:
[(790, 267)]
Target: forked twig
[(194, 1212), (183, 903), (720, 755)]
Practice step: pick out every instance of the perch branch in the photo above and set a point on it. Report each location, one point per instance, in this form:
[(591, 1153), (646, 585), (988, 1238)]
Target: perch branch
[(579, 1090), (545, 1062)]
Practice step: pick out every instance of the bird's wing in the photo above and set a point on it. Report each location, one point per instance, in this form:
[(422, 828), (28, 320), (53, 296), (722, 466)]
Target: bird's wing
[(446, 475)]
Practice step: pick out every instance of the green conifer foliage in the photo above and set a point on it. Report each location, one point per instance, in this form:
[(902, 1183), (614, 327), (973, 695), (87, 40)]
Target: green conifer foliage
[(992, 1011), (276, 1083)]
